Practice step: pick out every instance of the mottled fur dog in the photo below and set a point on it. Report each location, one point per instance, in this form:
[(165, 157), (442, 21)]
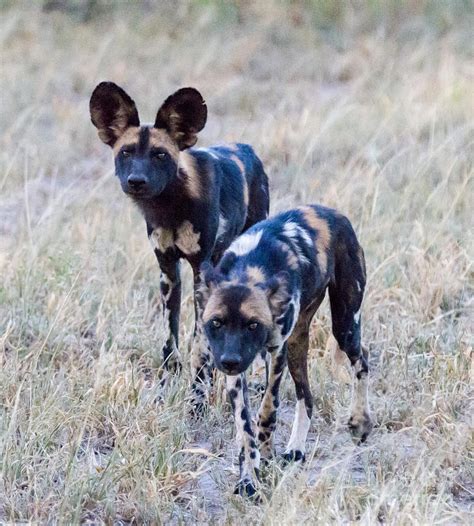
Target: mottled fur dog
[(262, 297), (195, 200)]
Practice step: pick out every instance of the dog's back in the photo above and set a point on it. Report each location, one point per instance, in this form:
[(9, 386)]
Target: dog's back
[(241, 188)]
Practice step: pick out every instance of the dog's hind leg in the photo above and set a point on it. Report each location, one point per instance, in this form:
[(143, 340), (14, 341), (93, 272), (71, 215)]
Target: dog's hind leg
[(346, 293)]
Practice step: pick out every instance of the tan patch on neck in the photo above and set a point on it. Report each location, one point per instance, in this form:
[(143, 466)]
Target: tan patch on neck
[(192, 180), (187, 240), (323, 238), (256, 307), (129, 136), (255, 274), (160, 139), (215, 307)]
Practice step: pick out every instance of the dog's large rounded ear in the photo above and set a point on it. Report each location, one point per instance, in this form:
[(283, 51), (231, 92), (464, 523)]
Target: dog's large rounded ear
[(276, 289), (112, 112), (183, 115), (227, 262), (210, 277)]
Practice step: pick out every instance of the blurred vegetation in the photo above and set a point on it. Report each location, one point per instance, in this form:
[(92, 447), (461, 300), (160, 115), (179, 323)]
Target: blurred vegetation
[(325, 15)]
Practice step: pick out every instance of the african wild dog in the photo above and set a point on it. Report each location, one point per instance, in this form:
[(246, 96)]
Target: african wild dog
[(263, 295), (195, 200)]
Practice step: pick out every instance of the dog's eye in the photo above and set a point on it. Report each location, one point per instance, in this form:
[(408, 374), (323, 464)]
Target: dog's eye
[(159, 155), (126, 153), (216, 323), (252, 325)]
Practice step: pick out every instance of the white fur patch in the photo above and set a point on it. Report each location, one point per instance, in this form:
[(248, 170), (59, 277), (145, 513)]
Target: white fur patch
[(186, 239), (222, 226), (300, 429), (162, 239), (357, 316), (209, 151), (293, 231), (295, 301), (246, 243), (276, 339)]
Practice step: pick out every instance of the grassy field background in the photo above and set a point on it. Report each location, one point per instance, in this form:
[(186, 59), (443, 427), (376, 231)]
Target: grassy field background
[(363, 106)]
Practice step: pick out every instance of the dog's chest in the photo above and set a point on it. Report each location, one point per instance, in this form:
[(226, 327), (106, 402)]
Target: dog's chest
[(184, 238)]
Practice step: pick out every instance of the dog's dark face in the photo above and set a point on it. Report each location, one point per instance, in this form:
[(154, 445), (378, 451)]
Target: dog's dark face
[(237, 320), (239, 315), (146, 160), (146, 157)]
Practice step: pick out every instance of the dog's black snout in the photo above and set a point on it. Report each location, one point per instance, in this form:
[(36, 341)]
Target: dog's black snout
[(230, 361), (136, 181)]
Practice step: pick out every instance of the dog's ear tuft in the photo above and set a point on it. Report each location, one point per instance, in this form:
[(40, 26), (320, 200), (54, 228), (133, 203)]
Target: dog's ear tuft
[(209, 277), (183, 115), (112, 112), (227, 262), (208, 273)]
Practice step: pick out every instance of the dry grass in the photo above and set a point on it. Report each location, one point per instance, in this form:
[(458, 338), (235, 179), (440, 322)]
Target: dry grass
[(368, 109)]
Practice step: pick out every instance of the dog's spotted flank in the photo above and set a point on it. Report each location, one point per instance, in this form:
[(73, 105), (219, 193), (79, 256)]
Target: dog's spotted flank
[(261, 297), (195, 200)]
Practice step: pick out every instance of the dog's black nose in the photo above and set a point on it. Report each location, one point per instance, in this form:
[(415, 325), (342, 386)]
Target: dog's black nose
[(136, 181), (230, 361)]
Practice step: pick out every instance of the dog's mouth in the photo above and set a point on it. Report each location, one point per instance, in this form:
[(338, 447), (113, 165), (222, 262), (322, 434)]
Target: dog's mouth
[(141, 193), (145, 192), (231, 371)]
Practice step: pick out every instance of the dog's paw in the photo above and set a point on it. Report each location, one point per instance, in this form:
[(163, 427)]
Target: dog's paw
[(169, 371), (360, 426), (172, 362), (247, 488), (199, 408), (294, 455)]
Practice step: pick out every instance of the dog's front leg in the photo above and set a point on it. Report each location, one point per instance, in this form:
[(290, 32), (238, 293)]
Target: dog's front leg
[(249, 455), (170, 286), (267, 414)]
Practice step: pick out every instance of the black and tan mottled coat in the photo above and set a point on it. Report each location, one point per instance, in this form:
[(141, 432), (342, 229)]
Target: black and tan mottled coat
[(195, 200), (262, 296)]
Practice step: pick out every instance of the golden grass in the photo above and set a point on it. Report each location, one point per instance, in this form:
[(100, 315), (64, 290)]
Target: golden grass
[(367, 109)]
